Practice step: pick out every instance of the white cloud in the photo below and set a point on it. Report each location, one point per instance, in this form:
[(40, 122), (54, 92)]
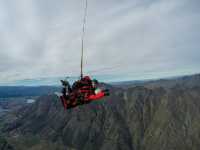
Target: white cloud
[(42, 38)]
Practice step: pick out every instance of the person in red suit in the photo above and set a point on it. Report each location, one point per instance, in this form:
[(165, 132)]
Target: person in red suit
[(82, 92)]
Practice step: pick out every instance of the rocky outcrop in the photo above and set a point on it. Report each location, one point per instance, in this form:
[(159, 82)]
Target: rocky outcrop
[(4, 145)]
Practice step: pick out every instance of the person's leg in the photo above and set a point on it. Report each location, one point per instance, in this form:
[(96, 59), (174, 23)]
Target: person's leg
[(73, 99), (69, 89), (64, 102)]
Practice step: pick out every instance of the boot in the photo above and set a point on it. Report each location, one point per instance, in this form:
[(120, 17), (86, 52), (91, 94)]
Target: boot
[(106, 92)]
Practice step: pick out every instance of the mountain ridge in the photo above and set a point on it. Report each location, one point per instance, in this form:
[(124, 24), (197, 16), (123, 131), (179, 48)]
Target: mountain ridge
[(136, 118)]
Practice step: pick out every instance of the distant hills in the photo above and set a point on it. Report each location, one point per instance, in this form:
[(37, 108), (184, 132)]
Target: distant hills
[(22, 91), (190, 80)]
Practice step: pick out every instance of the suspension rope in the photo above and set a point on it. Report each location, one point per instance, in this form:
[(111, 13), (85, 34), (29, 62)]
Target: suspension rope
[(83, 35)]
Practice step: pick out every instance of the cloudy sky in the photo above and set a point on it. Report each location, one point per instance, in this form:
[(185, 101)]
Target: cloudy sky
[(126, 39)]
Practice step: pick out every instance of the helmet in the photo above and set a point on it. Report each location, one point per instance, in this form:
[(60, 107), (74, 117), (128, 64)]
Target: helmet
[(86, 78)]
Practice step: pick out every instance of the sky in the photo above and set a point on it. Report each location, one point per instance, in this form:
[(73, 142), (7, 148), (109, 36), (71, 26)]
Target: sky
[(125, 39)]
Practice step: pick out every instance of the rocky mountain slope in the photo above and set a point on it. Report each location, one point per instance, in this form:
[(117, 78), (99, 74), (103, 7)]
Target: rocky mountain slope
[(137, 118), (4, 145)]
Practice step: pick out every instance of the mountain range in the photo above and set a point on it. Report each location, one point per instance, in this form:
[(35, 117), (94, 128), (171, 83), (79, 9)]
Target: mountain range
[(155, 115)]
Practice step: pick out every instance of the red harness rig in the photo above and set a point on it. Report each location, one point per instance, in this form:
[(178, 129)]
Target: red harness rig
[(82, 92)]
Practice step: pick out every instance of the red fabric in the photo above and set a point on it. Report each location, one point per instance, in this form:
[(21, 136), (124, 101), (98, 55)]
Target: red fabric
[(88, 98), (96, 96), (83, 88)]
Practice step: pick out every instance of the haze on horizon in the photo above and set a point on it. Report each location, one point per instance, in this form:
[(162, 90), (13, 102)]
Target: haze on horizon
[(125, 40)]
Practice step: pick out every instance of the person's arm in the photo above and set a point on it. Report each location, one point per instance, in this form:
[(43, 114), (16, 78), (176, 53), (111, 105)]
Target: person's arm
[(64, 102), (64, 91)]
